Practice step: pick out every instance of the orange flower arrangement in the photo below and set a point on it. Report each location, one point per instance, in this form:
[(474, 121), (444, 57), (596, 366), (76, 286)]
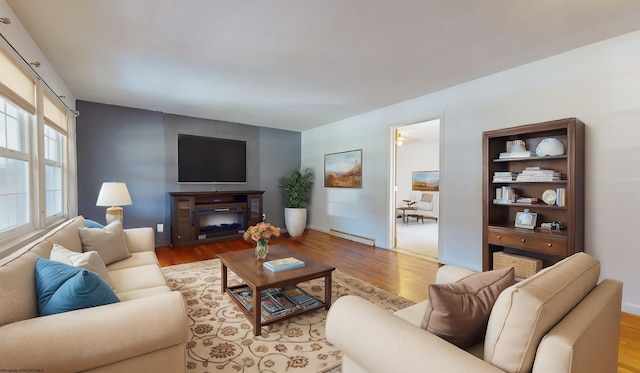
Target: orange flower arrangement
[(261, 233)]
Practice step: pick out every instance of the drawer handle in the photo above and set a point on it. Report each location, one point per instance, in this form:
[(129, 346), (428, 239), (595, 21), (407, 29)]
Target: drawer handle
[(523, 240), (499, 237), (549, 244)]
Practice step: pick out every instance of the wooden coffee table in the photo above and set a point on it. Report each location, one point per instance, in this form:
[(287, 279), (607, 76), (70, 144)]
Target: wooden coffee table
[(404, 213), (245, 264)]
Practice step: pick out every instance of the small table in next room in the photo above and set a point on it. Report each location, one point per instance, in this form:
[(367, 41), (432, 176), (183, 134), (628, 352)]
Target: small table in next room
[(245, 264)]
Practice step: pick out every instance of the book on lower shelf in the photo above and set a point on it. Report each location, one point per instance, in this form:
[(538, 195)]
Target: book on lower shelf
[(244, 294), (527, 200), (275, 302), (300, 297), (283, 264)]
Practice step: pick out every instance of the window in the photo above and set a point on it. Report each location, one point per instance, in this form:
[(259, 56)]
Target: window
[(14, 167), (54, 143), (34, 153)]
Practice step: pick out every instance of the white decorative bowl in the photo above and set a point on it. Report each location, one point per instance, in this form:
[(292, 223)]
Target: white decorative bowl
[(549, 146)]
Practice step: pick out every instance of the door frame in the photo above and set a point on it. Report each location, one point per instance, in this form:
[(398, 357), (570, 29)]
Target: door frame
[(393, 156)]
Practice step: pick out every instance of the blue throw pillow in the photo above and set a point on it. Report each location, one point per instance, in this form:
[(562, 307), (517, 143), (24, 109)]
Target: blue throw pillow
[(92, 224), (61, 288)]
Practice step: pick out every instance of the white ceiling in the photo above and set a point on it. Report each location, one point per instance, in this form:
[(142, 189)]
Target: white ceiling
[(295, 64), (423, 132)]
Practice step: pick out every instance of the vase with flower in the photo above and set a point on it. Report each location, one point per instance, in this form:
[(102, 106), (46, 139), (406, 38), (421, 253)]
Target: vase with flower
[(262, 233)]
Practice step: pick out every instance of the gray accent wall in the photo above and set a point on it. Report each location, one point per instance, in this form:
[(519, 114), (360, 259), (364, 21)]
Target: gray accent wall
[(276, 149), (139, 147), (116, 143)]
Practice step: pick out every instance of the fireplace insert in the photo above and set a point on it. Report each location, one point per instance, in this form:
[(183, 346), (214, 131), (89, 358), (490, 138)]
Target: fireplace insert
[(220, 219)]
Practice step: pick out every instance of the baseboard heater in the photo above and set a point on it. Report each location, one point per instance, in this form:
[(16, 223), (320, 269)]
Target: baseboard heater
[(353, 237)]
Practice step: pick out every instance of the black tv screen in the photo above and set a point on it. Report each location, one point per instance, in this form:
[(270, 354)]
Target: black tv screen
[(211, 160)]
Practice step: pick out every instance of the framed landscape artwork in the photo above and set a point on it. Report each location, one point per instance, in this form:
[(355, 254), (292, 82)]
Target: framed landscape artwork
[(343, 170), (428, 181)]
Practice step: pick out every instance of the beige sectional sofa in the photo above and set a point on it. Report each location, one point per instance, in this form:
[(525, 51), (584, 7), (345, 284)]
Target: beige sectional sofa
[(559, 320), (145, 332)]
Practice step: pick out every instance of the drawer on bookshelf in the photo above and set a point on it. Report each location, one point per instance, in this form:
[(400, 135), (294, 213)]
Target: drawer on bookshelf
[(539, 242)]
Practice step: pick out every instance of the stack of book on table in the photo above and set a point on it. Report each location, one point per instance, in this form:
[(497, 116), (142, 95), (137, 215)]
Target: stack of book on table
[(276, 302), (283, 264)]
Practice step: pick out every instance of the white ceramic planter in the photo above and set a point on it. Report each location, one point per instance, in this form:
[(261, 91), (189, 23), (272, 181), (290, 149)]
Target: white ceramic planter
[(295, 220)]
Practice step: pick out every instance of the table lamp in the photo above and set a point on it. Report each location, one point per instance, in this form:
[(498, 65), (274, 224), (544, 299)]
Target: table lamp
[(114, 195)]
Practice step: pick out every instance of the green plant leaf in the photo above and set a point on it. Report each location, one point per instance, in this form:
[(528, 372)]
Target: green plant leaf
[(297, 188)]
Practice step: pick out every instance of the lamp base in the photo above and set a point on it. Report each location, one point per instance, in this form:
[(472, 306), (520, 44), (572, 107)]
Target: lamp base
[(115, 213)]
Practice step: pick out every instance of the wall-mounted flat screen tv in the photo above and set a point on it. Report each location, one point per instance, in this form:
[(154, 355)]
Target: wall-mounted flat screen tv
[(211, 160)]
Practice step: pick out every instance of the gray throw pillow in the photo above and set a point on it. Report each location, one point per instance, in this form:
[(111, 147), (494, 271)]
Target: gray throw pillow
[(109, 242)]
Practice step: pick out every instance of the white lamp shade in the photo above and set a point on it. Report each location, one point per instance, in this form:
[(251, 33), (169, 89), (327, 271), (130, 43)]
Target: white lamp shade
[(114, 194)]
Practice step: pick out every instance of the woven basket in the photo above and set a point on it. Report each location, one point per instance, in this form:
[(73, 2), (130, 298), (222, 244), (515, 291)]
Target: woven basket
[(523, 266)]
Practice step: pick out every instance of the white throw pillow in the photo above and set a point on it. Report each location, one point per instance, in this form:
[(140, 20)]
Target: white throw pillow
[(109, 242), (90, 261)]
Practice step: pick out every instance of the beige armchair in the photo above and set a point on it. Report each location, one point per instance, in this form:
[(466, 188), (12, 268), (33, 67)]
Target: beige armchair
[(561, 320), (426, 204)]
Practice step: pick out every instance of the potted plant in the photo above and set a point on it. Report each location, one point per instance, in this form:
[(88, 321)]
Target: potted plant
[(297, 188)]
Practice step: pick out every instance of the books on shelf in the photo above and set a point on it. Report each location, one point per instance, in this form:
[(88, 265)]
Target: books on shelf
[(275, 302), (283, 264), (504, 176), (520, 154), (561, 197), (505, 194), (536, 174), (299, 297), (244, 294), (526, 200)]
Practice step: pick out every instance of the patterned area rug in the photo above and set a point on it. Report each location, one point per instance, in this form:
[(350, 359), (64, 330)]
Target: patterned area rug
[(222, 340)]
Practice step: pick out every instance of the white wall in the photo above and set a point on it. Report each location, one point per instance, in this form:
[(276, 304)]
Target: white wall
[(599, 83)]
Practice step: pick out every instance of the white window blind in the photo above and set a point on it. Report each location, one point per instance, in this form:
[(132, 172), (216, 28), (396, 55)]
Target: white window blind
[(16, 84), (54, 113)]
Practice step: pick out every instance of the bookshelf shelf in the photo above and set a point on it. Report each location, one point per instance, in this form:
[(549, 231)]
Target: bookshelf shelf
[(530, 159)]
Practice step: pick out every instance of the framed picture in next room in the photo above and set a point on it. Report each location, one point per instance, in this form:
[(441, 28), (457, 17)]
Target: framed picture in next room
[(428, 181), (343, 170)]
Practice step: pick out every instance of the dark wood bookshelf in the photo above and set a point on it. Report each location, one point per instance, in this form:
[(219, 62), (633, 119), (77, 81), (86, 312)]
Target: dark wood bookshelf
[(499, 231)]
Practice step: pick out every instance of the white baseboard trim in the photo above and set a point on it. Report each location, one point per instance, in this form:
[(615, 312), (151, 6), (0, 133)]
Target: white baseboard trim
[(353, 237), (631, 308)]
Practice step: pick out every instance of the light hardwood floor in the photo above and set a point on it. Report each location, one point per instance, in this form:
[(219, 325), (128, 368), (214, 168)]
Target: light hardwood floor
[(401, 274)]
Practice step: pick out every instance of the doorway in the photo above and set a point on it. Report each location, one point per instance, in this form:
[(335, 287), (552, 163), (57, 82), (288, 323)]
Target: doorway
[(416, 200)]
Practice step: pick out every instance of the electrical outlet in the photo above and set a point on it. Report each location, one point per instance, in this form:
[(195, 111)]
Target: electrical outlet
[(160, 228)]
